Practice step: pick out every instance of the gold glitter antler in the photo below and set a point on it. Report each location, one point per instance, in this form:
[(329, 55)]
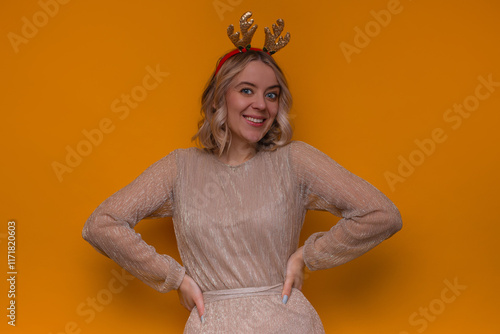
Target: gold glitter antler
[(270, 44), (247, 35)]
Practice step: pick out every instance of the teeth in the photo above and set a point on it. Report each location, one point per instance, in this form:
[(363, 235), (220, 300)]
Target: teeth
[(255, 120)]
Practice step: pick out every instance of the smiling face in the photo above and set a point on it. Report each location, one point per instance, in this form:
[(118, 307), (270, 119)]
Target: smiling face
[(252, 103)]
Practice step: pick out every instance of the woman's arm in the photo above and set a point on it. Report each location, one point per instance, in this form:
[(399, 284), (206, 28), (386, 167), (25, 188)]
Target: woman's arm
[(368, 216), (110, 228)]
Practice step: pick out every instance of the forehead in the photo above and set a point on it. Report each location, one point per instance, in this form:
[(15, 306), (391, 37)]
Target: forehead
[(257, 73)]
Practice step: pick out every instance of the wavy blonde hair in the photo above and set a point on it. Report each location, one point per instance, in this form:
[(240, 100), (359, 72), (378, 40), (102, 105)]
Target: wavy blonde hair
[(213, 133)]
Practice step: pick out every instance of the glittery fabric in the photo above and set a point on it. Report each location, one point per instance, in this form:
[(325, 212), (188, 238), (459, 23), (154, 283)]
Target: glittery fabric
[(236, 227)]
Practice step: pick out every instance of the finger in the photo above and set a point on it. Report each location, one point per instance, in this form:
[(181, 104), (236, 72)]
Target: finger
[(298, 281), (200, 305), (183, 301), (298, 284), (287, 289)]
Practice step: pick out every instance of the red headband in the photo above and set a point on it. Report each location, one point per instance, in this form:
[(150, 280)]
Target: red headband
[(232, 53)]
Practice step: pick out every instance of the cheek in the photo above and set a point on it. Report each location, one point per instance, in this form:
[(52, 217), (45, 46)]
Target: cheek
[(235, 106), (232, 106), (273, 110)]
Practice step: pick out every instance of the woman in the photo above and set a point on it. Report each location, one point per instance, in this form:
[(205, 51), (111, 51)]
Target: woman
[(238, 206)]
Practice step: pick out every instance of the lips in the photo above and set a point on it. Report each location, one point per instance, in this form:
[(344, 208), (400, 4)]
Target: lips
[(254, 120)]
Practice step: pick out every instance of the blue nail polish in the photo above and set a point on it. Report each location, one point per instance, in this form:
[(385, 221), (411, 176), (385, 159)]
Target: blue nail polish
[(285, 299), (202, 319)]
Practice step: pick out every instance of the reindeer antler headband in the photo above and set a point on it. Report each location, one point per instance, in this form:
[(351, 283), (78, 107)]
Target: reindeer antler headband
[(272, 44)]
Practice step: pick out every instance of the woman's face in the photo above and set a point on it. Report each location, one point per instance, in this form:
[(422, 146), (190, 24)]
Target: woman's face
[(252, 103)]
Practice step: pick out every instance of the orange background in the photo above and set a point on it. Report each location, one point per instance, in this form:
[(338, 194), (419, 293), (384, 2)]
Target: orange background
[(365, 110)]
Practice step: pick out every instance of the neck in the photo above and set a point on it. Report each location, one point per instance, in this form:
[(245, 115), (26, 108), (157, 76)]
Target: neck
[(238, 153)]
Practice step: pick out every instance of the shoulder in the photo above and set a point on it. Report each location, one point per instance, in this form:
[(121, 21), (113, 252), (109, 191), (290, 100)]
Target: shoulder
[(293, 145), (170, 164), (297, 145), (180, 153), (297, 148), (297, 155), (190, 155), (303, 156), (174, 157)]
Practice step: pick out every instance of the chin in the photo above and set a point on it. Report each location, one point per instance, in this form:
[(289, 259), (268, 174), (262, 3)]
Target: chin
[(254, 139)]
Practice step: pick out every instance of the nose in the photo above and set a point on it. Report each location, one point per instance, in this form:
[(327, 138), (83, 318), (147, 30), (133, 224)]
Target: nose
[(259, 102)]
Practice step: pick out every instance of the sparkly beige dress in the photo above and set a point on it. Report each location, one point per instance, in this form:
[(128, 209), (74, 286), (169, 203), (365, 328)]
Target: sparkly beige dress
[(236, 227)]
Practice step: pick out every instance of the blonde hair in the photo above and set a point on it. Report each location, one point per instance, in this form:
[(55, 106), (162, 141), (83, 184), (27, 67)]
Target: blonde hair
[(213, 133)]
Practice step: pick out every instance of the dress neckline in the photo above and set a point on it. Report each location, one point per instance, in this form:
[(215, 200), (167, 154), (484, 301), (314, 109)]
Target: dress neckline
[(234, 166)]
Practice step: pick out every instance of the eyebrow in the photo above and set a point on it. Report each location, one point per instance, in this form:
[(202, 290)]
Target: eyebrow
[(246, 83)]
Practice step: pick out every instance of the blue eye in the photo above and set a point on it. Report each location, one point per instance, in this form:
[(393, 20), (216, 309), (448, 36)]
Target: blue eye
[(272, 96), (246, 91)]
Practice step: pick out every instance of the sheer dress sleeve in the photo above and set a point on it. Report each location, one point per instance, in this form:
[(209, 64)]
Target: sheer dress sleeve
[(110, 228), (368, 216)]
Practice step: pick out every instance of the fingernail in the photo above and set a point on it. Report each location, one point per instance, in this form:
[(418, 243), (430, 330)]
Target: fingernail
[(202, 319), (285, 299)]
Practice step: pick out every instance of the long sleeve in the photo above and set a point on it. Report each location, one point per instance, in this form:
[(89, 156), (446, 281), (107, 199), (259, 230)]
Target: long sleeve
[(368, 216), (110, 228)]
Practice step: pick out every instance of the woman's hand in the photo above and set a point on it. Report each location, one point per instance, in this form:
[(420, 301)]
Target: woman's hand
[(190, 295), (294, 274)]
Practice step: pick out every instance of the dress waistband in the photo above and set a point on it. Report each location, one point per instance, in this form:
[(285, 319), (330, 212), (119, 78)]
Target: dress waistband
[(214, 295)]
